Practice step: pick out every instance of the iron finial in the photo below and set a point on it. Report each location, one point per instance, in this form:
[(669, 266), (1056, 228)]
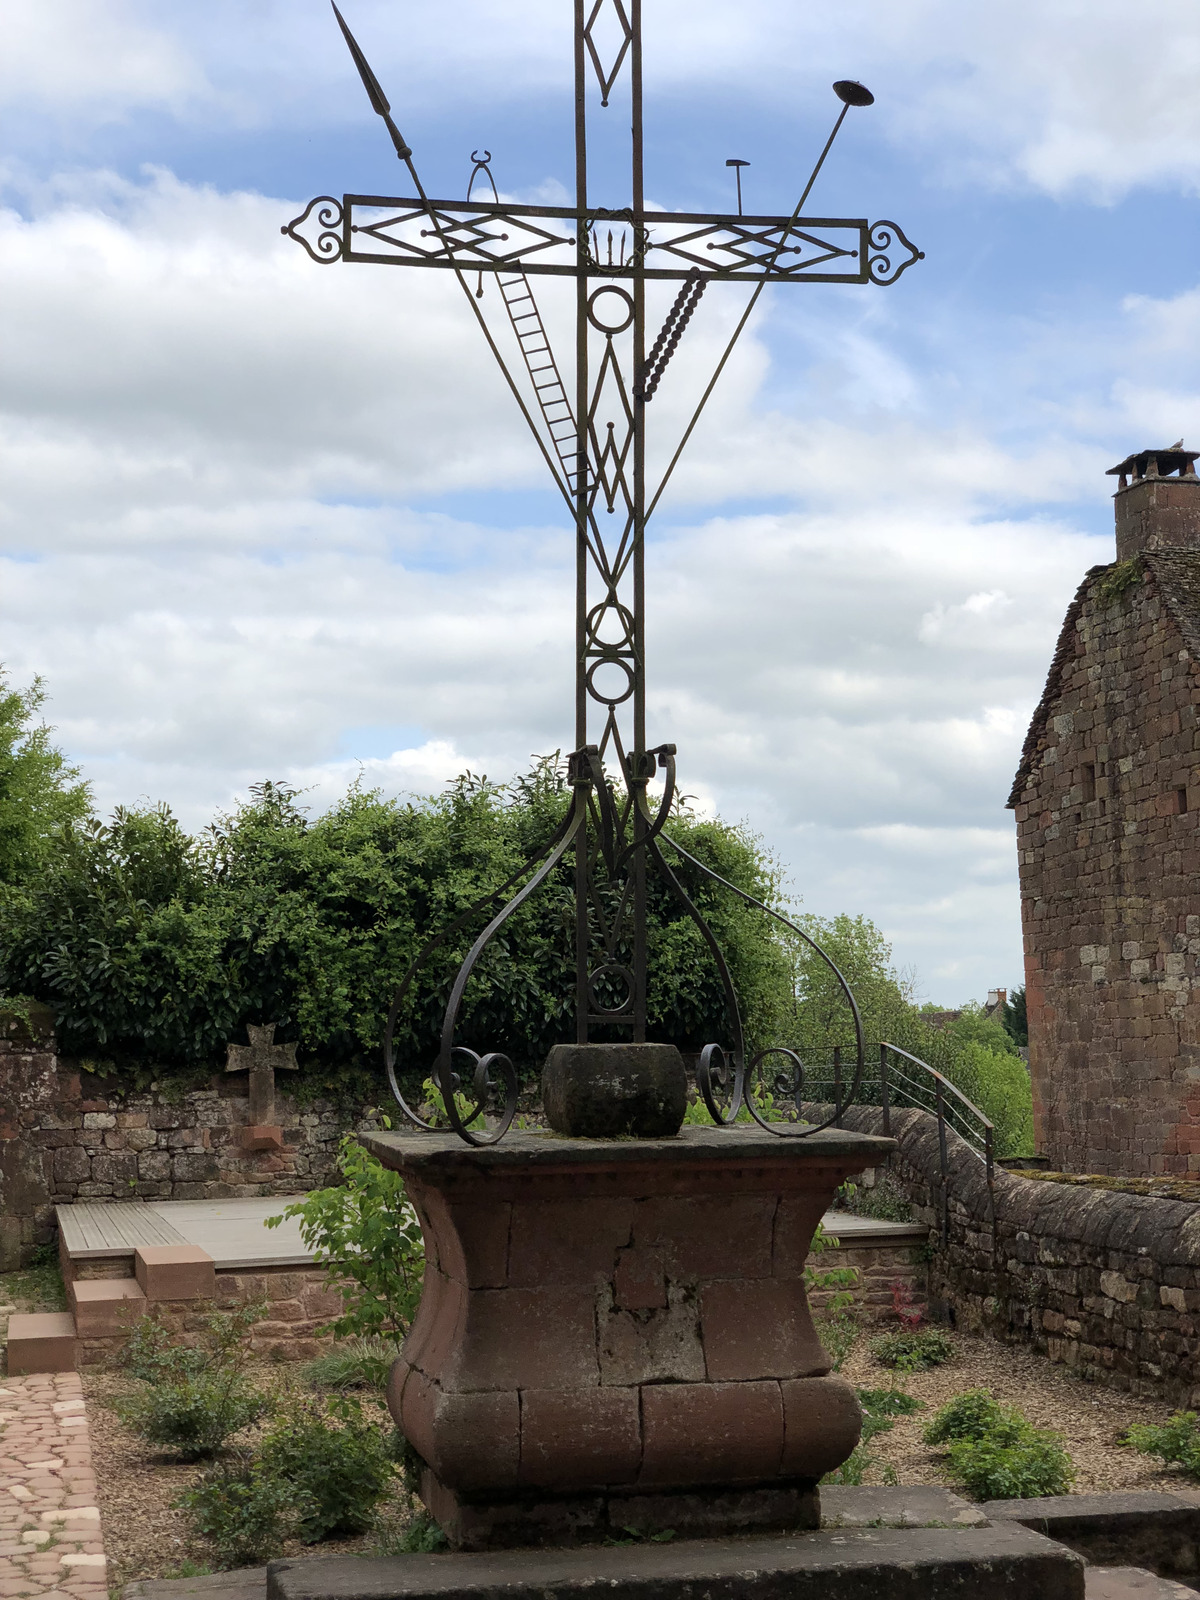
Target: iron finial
[(852, 93), (379, 101)]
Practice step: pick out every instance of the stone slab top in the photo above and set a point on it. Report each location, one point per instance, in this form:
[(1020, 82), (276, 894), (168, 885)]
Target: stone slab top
[(246, 1583), (902, 1563), (1117, 1509), (744, 1144), (919, 1505)]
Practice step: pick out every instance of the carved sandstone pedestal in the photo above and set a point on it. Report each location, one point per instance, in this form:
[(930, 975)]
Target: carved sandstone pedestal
[(615, 1333)]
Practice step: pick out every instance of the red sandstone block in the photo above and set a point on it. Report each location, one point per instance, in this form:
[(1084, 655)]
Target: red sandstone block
[(472, 1441), (527, 1338), (758, 1330), (39, 1342), (794, 1225), (709, 1236), (567, 1242), (439, 1324), (578, 1440), (470, 1242), (105, 1307), (175, 1272), (710, 1433)]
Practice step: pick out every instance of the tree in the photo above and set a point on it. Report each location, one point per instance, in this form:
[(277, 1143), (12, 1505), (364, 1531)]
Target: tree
[(1016, 1023), (40, 794), (154, 948)]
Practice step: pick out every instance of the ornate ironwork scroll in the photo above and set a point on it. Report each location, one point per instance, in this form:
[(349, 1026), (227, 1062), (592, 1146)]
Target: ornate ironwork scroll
[(594, 445)]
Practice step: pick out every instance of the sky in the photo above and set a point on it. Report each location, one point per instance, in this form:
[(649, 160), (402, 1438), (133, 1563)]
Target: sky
[(261, 518)]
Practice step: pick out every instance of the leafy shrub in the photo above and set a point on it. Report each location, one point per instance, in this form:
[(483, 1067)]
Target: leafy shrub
[(244, 1511), (1028, 1466), (222, 1343), (995, 1453), (1177, 1442), (974, 1414), (913, 1351), (358, 1364), (196, 1398), (888, 1402), (886, 1201), (420, 1536), (343, 1467), (363, 1230), (193, 1415), (273, 916)]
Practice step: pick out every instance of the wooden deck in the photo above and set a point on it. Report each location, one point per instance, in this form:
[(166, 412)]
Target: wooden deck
[(232, 1231), (91, 1232)]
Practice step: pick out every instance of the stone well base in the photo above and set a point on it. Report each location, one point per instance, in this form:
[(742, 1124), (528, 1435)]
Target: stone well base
[(615, 1332), (590, 1519)]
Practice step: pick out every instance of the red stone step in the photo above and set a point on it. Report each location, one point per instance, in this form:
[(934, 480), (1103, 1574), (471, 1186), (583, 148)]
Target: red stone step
[(106, 1307), (40, 1341)]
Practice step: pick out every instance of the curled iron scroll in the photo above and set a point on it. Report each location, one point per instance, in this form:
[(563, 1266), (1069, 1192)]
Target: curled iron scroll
[(564, 831), (482, 1082), (884, 237), (330, 217), (708, 1055)]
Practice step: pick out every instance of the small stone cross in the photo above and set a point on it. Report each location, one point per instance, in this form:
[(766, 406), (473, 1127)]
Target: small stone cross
[(261, 1058)]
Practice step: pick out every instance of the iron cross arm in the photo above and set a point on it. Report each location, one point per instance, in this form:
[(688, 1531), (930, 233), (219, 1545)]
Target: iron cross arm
[(478, 236)]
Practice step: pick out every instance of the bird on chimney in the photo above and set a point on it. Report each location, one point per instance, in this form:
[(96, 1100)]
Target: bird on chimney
[(1178, 445)]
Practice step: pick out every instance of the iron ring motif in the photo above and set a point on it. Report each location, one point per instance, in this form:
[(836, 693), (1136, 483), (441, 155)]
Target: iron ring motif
[(330, 218), (593, 315), (882, 238), (610, 658), (595, 620), (626, 977)]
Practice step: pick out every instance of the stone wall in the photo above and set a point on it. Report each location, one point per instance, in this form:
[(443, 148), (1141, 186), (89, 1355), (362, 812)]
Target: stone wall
[(298, 1304), (63, 1138), (1108, 1284), (879, 1266)]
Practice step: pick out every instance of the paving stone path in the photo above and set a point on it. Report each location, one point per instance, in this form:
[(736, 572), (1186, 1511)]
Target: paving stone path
[(50, 1545)]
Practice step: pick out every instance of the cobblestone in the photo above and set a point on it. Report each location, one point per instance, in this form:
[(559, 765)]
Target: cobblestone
[(50, 1535)]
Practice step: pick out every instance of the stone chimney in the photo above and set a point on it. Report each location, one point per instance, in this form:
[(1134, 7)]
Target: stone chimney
[(1155, 510)]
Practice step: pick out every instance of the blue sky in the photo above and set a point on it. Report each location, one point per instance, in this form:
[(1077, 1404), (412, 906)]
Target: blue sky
[(263, 518)]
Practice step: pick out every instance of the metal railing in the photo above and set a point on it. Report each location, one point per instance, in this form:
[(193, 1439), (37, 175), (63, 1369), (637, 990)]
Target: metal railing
[(905, 1080)]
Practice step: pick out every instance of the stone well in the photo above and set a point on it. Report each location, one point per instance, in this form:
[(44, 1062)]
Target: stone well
[(615, 1333)]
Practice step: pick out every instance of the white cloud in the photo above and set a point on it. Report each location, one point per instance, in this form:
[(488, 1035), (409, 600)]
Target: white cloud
[(212, 449)]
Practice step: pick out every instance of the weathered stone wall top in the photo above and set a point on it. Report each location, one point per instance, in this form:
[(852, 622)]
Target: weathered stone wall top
[(1107, 1283)]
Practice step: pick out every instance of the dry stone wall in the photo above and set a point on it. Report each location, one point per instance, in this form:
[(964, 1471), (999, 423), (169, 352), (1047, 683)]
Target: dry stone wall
[(1106, 1283), (63, 1140)]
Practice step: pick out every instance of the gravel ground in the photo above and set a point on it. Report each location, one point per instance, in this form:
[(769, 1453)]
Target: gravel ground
[(1090, 1417), (144, 1535)]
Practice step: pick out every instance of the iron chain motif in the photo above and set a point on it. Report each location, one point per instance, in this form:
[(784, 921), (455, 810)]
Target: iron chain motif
[(592, 437)]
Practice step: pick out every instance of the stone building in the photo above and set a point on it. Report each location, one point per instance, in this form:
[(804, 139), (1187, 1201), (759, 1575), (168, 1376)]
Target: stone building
[(1107, 800)]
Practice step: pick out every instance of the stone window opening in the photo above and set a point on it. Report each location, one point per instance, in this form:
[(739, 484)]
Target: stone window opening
[(1088, 782), (1181, 804)]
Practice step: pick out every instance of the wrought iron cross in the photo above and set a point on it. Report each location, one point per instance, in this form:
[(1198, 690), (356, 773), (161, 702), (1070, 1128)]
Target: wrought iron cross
[(592, 436)]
